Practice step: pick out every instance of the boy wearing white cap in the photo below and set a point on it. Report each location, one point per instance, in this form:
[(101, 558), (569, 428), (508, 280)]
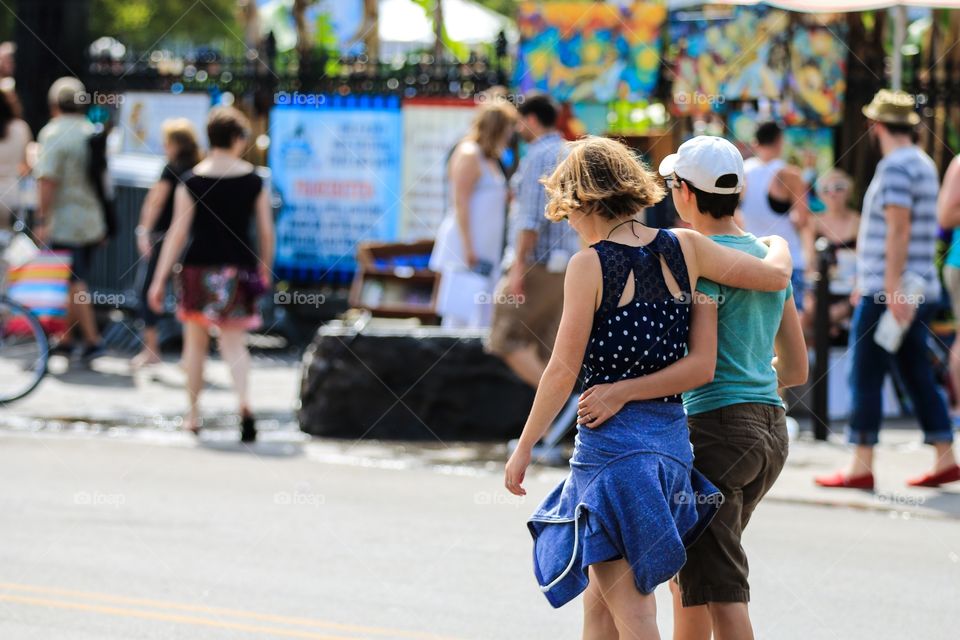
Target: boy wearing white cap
[(737, 421)]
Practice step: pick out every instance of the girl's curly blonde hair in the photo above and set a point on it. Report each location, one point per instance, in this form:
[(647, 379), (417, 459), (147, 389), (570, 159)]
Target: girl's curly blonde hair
[(603, 177)]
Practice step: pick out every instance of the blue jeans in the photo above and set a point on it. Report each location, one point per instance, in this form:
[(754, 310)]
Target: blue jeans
[(871, 363)]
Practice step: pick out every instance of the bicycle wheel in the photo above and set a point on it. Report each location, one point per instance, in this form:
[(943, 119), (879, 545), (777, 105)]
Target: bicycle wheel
[(23, 351)]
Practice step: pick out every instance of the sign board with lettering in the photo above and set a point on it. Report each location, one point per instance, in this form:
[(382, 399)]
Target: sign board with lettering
[(142, 116), (336, 168), (431, 128)]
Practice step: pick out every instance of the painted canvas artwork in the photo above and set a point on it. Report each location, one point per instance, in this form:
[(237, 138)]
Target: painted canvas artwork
[(739, 54), (817, 79), (590, 52)]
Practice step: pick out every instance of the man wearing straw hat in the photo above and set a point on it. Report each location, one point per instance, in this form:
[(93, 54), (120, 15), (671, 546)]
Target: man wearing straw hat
[(896, 247)]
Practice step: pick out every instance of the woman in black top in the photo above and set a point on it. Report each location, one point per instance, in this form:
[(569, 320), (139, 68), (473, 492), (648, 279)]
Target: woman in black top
[(183, 152), (222, 276)]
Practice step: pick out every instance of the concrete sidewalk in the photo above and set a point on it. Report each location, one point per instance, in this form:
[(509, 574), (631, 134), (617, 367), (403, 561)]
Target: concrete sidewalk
[(111, 399), (900, 455), (109, 393)]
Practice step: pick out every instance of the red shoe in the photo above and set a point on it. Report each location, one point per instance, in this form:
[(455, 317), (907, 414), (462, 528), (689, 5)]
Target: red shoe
[(936, 479), (840, 480)]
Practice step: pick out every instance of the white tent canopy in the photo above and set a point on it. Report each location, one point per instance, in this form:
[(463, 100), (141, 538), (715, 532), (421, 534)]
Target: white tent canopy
[(404, 25), (847, 6)]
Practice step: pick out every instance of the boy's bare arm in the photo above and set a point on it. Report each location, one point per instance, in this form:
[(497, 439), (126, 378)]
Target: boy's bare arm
[(791, 361)]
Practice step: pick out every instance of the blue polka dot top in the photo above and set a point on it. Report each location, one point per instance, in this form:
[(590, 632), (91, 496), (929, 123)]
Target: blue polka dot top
[(651, 330)]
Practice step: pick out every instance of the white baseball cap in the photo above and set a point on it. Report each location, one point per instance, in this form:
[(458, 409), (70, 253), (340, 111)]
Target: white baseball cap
[(702, 160)]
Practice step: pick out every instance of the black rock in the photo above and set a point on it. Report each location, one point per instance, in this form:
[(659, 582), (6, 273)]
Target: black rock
[(423, 383)]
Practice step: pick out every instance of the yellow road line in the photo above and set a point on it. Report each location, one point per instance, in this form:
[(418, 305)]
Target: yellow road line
[(167, 617), (216, 611)]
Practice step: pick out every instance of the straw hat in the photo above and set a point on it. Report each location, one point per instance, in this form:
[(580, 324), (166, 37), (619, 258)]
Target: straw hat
[(892, 107)]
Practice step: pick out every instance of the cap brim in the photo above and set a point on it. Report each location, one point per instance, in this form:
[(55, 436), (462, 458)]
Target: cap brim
[(668, 164)]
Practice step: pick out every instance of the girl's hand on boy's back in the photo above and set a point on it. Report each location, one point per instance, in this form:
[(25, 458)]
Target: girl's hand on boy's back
[(599, 403)]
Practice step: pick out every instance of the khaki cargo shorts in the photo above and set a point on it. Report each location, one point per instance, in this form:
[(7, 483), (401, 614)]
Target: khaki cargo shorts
[(532, 319), (741, 448)]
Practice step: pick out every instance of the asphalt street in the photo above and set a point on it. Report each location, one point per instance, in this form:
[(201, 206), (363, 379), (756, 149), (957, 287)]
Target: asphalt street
[(109, 538)]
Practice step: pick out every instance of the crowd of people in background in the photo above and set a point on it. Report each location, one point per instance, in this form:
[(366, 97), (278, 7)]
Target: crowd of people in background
[(896, 280), (501, 263), (899, 227), (195, 225)]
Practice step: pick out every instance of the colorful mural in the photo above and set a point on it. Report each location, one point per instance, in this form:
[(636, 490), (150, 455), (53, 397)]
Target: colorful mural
[(817, 79), (737, 55), (592, 52)]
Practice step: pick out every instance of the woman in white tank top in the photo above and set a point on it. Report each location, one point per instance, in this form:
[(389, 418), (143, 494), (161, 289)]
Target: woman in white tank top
[(469, 243)]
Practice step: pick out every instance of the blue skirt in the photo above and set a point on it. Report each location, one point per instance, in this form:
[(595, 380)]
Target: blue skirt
[(632, 493)]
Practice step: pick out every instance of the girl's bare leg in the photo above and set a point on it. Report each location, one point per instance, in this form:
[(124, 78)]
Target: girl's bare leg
[(634, 613), (598, 622), (233, 349), (196, 342)]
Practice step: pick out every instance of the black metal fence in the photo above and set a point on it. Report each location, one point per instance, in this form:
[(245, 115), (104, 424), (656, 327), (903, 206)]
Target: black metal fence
[(260, 78)]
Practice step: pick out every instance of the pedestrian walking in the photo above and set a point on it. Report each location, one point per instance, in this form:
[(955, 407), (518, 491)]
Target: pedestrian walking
[(837, 228), (221, 275), (70, 216), (182, 154), (896, 273), (617, 526), (948, 215), (736, 420), (469, 246), (528, 300), (15, 136), (774, 202)]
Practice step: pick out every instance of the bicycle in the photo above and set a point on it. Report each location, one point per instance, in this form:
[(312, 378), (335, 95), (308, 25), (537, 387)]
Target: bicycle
[(24, 349)]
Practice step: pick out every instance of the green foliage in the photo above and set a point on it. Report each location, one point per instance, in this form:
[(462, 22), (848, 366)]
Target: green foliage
[(506, 7), (7, 22), (143, 24)]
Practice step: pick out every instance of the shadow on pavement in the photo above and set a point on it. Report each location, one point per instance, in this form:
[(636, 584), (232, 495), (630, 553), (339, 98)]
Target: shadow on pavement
[(259, 449), (88, 377)]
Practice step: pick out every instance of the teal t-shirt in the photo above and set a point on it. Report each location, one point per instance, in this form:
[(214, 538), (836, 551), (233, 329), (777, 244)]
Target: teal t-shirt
[(747, 324)]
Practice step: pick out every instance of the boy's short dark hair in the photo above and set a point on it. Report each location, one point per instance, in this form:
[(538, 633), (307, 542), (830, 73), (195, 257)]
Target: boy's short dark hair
[(718, 205), (542, 106), (225, 125), (899, 129), (768, 133)]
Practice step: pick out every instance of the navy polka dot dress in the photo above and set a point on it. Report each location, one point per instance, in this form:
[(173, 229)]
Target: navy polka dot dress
[(650, 331)]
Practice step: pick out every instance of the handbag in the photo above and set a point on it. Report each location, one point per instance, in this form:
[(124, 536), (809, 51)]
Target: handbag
[(42, 285)]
